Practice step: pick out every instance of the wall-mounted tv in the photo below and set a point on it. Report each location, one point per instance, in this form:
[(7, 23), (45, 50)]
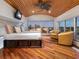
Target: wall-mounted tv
[(18, 15)]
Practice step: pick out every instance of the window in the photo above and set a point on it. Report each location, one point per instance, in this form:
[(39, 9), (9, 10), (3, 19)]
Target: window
[(76, 28), (61, 26), (77, 25), (69, 25), (41, 24)]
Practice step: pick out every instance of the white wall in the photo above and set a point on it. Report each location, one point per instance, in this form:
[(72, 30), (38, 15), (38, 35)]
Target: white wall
[(6, 9), (40, 18), (69, 14), (7, 12), (2, 29)]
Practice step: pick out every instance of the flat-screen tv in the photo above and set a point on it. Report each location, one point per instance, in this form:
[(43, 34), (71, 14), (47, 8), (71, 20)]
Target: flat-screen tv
[(18, 15)]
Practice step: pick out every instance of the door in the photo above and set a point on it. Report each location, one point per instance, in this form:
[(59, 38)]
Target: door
[(77, 34)]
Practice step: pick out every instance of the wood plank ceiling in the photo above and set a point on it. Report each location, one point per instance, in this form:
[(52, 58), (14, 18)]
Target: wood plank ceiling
[(58, 6)]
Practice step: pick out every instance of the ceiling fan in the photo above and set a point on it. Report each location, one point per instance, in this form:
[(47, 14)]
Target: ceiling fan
[(43, 4)]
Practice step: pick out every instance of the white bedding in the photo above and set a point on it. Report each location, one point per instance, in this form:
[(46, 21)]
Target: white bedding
[(23, 36)]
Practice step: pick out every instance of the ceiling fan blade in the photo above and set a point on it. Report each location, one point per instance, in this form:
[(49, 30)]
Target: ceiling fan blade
[(43, 4)]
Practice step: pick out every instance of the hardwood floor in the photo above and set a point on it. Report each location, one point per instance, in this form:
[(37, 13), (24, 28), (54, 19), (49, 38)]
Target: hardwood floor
[(50, 50)]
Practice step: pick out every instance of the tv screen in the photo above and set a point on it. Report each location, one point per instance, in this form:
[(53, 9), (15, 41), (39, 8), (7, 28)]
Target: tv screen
[(18, 15)]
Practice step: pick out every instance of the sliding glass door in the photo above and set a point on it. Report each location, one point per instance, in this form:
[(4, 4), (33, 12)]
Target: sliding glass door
[(77, 28), (69, 25), (61, 26), (66, 25)]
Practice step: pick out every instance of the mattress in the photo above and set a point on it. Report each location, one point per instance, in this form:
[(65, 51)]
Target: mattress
[(23, 36)]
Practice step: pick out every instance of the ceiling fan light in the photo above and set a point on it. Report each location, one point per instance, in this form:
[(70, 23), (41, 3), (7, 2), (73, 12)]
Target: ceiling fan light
[(49, 11), (33, 11)]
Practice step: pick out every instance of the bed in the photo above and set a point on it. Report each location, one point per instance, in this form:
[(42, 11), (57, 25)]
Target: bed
[(23, 40)]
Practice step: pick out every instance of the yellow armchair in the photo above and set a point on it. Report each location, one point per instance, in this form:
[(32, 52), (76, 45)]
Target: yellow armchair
[(54, 34), (66, 38)]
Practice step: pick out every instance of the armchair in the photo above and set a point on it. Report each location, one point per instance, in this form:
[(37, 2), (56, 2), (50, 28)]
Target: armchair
[(54, 34), (65, 38)]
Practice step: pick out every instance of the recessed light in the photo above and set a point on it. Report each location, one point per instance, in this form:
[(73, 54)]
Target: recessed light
[(33, 11), (49, 11)]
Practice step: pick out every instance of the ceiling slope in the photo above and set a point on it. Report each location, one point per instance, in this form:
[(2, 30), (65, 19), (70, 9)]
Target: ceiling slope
[(58, 6)]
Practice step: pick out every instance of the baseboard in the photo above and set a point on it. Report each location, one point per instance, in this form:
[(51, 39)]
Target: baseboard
[(75, 48), (76, 43)]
